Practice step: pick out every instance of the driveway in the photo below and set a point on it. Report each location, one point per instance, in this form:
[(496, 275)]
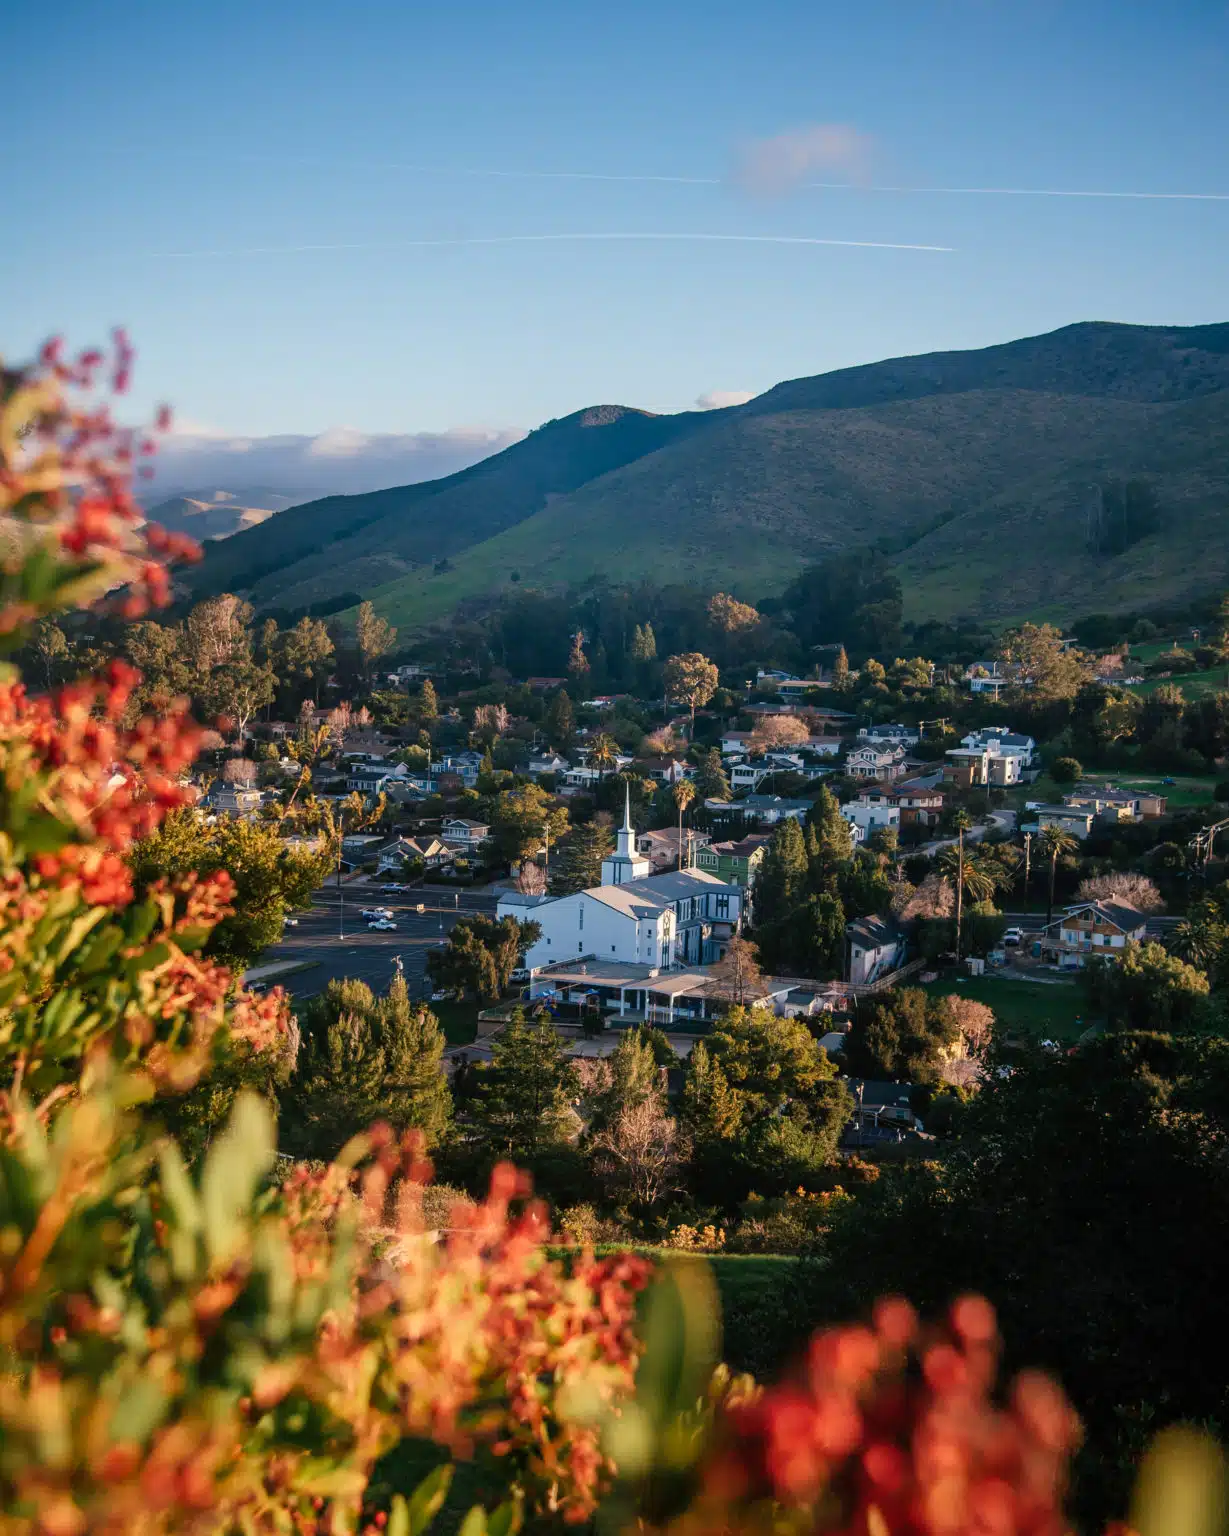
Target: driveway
[(1001, 822)]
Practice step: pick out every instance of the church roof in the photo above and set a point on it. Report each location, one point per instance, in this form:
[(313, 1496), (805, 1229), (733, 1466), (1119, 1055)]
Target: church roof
[(655, 892)]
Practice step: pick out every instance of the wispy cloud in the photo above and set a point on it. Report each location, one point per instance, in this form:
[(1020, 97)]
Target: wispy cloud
[(719, 399), (668, 235), (786, 161)]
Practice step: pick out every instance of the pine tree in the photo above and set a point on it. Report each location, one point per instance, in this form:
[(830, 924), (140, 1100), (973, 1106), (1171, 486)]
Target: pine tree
[(819, 937), (710, 780), (644, 643), (524, 1102), (840, 669), (829, 842), (782, 880), (428, 704), (630, 1077), (362, 1059), (578, 863), (414, 1092), (708, 1106)]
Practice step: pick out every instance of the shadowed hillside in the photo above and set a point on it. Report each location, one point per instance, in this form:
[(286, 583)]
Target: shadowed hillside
[(978, 472)]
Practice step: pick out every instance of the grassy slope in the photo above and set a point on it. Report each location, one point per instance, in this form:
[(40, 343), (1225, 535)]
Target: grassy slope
[(1038, 1010), (747, 504)]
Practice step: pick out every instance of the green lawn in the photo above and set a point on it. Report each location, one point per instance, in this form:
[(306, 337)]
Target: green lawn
[(1194, 685), (1049, 1010), (1187, 789)]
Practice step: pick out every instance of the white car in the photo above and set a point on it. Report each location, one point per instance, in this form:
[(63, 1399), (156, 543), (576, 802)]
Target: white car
[(1013, 938), (383, 925)]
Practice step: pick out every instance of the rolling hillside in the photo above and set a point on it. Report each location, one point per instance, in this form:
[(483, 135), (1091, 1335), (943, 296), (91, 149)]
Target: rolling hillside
[(975, 469)]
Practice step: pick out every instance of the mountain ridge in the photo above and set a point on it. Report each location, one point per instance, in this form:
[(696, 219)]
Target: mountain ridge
[(933, 455)]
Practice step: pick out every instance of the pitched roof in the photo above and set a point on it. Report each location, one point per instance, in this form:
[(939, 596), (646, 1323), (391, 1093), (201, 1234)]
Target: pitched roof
[(873, 932), (654, 893), (1121, 913)]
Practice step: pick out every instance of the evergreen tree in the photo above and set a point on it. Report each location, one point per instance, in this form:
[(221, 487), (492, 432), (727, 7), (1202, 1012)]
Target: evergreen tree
[(414, 1092), (710, 780), (428, 704), (829, 842), (840, 669), (710, 1113), (578, 863), (560, 721), (630, 1077), (644, 643), (361, 1060), (524, 1102), (819, 937), (782, 879)]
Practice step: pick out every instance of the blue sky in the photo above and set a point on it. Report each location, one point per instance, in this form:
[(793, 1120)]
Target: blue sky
[(246, 129)]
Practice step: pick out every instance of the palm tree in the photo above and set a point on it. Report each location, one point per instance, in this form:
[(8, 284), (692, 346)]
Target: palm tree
[(604, 753), (684, 793), (1053, 841), (962, 821)]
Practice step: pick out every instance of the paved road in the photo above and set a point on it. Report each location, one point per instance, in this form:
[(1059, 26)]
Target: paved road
[(1001, 822), (340, 943)]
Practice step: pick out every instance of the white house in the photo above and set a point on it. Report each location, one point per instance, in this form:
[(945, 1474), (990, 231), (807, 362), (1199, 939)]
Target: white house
[(986, 677), (868, 813), (375, 778), (876, 947), (890, 735), (634, 917)]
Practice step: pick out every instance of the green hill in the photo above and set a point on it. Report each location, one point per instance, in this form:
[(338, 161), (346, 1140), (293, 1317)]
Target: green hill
[(980, 472)]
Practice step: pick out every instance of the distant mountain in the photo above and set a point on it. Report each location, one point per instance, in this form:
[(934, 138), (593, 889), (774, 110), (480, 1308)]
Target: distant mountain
[(984, 473), (206, 515)]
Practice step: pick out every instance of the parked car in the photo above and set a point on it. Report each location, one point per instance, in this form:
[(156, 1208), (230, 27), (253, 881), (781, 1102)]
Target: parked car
[(1013, 938), (372, 912), (383, 925), (520, 973)]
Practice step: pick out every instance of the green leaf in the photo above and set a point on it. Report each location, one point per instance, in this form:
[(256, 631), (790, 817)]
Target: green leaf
[(139, 1411), (474, 1523), (428, 1498), (237, 1162), (506, 1520), (179, 1194), (156, 954), (43, 834), (398, 1518)]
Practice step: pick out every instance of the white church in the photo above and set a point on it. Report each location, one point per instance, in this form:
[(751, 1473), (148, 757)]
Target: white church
[(633, 918)]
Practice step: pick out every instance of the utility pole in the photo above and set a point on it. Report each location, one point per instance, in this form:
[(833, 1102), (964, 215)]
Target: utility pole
[(1028, 848)]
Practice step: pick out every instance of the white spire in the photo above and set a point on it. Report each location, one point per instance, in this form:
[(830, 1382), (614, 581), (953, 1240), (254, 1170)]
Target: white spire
[(625, 863), (627, 808)]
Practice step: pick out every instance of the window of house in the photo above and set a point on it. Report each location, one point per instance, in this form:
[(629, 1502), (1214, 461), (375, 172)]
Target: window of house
[(723, 906), (580, 914)]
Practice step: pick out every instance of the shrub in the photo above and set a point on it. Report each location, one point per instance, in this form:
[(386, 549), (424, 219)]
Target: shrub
[(1066, 770)]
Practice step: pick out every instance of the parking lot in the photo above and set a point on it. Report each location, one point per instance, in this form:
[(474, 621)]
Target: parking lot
[(336, 941)]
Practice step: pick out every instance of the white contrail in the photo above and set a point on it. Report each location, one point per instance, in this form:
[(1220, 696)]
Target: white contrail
[(1191, 197), (389, 245)]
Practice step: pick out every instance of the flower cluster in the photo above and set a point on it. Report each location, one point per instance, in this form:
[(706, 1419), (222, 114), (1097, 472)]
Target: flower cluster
[(896, 1428), (72, 528), (279, 1346)]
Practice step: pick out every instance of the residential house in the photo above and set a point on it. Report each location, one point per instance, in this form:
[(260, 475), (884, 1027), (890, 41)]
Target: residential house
[(368, 778), (920, 799), (236, 800), (882, 1111), (987, 678), (873, 761), (822, 720), (737, 863), (466, 766), (876, 947), (360, 848), (890, 735), (546, 762), (764, 810), (736, 743), (1092, 928), (408, 850), (871, 811), (1075, 819), (1113, 804), (661, 848), (663, 770), (635, 918), (462, 834), (993, 756)]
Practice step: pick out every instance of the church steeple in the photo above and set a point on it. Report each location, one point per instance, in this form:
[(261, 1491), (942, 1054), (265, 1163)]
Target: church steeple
[(625, 863)]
